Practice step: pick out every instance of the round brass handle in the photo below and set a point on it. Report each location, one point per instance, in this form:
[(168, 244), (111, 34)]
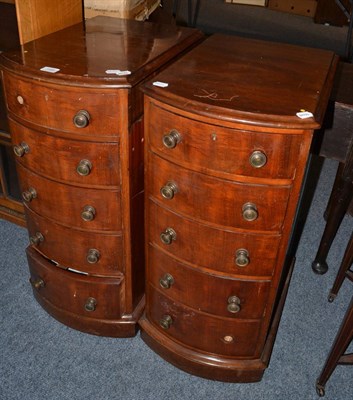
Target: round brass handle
[(36, 239), (29, 195), (168, 191), (242, 258), (250, 212), (166, 281), (233, 304), (37, 283), (166, 321), (81, 119), (171, 139), (168, 236), (84, 167), (88, 213), (21, 149), (91, 304), (93, 256), (257, 159)]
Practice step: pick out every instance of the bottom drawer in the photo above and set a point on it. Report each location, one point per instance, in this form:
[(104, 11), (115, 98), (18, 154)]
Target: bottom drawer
[(73, 294), (202, 331)]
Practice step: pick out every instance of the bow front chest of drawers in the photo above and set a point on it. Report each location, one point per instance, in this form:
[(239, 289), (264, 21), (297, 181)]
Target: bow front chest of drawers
[(225, 161), (77, 132)]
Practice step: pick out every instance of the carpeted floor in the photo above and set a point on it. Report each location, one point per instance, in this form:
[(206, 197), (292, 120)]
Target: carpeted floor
[(41, 359)]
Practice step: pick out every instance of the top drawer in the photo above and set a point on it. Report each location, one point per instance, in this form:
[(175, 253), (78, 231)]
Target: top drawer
[(60, 107), (225, 150)]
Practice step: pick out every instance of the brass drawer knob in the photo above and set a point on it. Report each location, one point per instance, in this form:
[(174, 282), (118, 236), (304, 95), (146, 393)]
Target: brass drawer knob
[(166, 321), (21, 149), (29, 195), (84, 167), (88, 213), (258, 159), (37, 283), (250, 212), (168, 191), (91, 304), (166, 281), (233, 304), (36, 239), (171, 139), (168, 236), (93, 256), (81, 119), (242, 258)]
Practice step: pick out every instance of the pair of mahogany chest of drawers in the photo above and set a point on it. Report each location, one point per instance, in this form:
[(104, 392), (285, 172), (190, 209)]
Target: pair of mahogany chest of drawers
[(200, 191)]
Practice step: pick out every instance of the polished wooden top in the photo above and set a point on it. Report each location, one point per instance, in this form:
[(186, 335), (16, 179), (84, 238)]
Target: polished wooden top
[(250, 81), (84, 52)]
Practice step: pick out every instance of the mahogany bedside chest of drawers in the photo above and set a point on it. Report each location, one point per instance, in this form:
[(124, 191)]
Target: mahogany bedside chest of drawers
[(75, 114), (225, 160)]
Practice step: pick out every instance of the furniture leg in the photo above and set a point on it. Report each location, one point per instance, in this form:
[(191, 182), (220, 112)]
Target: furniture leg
[(344, 271), (341, 197), (333, 197), (336, 355)]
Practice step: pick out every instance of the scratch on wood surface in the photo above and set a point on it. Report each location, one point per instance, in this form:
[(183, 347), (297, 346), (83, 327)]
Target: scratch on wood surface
[(213, 96)]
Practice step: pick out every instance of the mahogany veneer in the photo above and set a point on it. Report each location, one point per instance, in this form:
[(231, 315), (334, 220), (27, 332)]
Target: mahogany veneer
[(81, 172), (225, 159)]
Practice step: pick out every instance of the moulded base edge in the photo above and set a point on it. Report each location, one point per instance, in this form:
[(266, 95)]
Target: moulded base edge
[(207, 366)]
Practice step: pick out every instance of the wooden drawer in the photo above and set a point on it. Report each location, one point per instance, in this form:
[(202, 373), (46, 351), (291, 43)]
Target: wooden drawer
[(65, 203), (202, 331), (55, 107), (70, 157), (212, 248), (214, 148), (217, 201), (71, 292), (72, 248), (207, 292)]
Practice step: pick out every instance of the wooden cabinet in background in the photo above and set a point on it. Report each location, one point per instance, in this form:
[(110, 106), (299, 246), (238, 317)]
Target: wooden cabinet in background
[(225, 160), (78, 135), (10, 200), (328, 12)]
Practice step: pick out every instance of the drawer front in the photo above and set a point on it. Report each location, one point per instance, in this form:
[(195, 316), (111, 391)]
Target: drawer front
[(56, 107), (217, 201), (72, 292), (210, 293), (84, 163), (202, 331), (89, 252), (220, 149), (68, 204), (212, 248)]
